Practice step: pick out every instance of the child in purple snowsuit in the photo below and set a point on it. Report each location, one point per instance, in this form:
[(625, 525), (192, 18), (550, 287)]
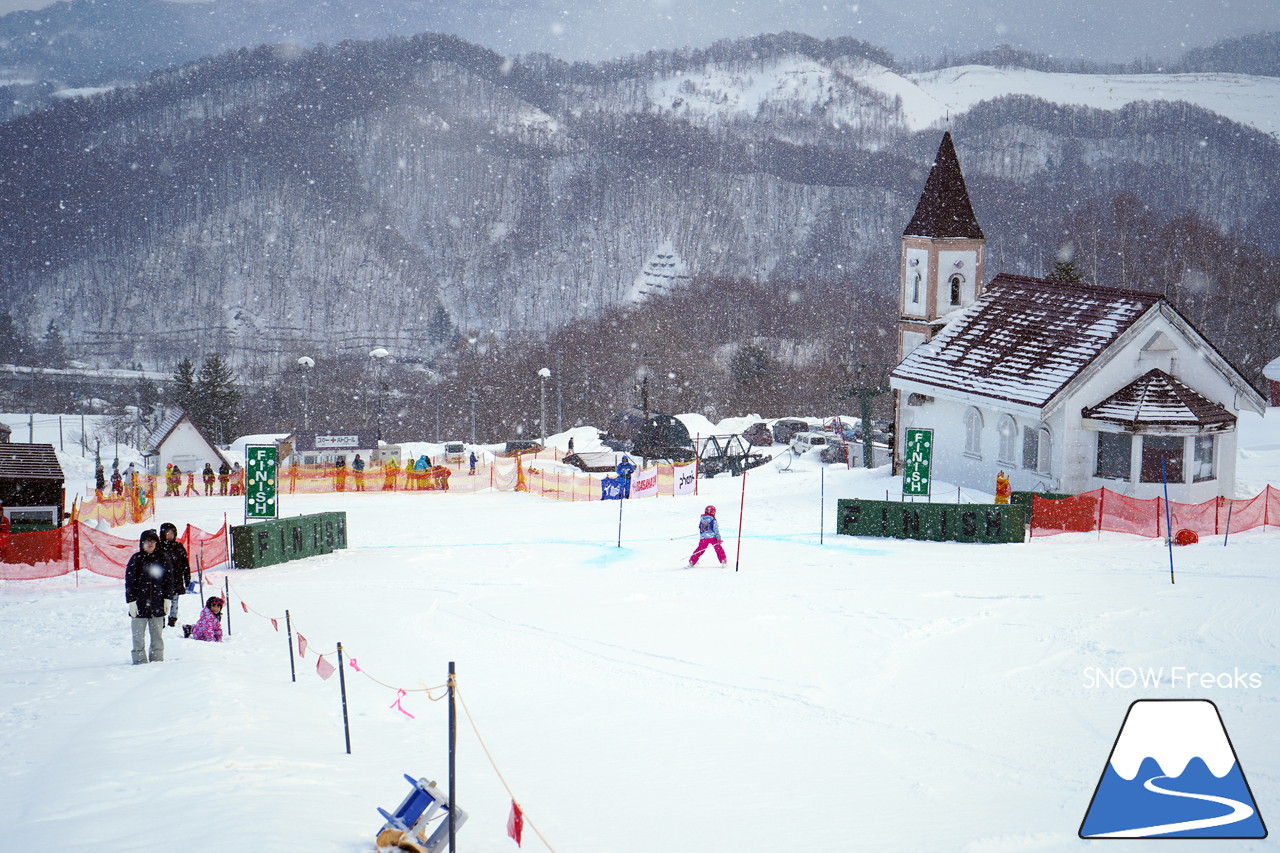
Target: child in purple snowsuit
[(709, 535), (209, 626)]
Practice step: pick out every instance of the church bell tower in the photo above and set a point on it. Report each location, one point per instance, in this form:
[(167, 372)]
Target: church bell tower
[(942, 254)]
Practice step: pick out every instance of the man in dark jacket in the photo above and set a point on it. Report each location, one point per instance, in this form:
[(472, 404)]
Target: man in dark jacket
[(175, 559), (147, 584), (224, 475)]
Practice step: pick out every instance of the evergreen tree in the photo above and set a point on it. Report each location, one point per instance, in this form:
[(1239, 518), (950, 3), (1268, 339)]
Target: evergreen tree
[(1065, 271), (184, 389), (52, 351), (14, 346), (218, 400)]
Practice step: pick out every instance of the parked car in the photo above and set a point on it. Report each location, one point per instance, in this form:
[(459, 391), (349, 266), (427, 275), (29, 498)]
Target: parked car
[(758, 434), (784, 428), (835, 451), (803, 442), (455, 453), (521, 445)]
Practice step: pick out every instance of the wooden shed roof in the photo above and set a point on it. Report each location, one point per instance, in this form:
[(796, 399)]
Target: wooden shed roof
[(29, 462)]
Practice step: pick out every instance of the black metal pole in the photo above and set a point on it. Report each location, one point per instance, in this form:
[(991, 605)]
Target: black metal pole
[(1228, 531), (453, 743), (822, 497), (226, 602), (342, 686), (1168, 517), (620, 500), (288, 630)]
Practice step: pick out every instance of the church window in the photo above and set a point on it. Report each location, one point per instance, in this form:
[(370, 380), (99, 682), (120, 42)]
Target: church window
[(916, 278), (1115, 454), (973, 432), (1202, 461), (1031, 456), (957, 281), (1008, 432), (1158, 448)]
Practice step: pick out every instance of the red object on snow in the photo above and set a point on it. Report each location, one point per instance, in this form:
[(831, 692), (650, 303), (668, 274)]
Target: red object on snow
[(1185, 536), (515, 823)]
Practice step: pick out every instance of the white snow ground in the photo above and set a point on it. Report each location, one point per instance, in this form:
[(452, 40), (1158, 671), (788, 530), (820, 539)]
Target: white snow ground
[(829, 696)]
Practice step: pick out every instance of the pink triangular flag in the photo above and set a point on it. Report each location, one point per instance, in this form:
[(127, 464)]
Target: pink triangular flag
[(302, 646), (324, 669)]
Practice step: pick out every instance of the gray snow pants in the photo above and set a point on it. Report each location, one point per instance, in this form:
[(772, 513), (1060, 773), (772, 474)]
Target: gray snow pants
[(140, 627)]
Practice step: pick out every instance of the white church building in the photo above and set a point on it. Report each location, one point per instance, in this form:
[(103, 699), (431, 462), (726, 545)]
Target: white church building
[(1065, 387)]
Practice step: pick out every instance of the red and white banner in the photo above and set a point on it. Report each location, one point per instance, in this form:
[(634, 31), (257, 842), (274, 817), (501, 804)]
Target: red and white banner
[(645, 483)]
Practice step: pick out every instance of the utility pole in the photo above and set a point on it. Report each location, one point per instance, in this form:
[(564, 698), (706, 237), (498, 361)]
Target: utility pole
[(868, 383)]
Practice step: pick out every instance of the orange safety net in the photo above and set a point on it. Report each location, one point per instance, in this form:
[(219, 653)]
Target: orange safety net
[(136, 505), (79, 546), (1103, 509)]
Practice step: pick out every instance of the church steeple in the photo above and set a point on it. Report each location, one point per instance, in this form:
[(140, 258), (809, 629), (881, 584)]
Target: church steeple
[(944, 209), (942, 254)]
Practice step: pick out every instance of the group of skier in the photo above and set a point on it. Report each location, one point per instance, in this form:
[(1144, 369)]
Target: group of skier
[(154, 579)]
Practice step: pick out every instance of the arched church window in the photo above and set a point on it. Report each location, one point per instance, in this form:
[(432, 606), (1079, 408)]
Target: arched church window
[(1007, 430), (957, 280), (973, 432), (916, 278)]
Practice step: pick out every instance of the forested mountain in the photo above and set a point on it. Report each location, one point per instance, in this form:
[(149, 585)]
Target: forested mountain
[(414, 192)]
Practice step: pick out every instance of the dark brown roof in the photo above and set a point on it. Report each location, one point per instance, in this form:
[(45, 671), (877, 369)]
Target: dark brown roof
[(944, 209), (1025, 338), (1157, 399), (29, 462)]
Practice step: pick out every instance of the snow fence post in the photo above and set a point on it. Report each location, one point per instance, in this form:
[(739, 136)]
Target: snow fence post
[(342, 687), (1230, 504), (226, 601)]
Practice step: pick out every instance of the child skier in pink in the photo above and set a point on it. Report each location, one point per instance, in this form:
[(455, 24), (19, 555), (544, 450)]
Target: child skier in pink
[(709, 535), (209, 626)]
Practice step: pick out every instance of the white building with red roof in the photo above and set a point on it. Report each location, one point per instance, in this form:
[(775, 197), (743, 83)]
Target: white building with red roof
[(1063, 386)]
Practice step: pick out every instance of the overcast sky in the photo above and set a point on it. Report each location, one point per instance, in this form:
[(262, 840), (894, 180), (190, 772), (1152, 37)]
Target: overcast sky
[(1094, 29)]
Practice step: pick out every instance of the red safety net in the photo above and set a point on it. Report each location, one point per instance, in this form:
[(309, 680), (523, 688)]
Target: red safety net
[(1103, 509), (78, 546)]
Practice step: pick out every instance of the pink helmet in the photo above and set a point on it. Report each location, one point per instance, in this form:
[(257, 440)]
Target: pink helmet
[(709, 511)]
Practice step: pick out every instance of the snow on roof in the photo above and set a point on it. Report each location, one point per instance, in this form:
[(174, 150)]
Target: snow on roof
[(1272, 370), (1025, 339), (1156, 398)]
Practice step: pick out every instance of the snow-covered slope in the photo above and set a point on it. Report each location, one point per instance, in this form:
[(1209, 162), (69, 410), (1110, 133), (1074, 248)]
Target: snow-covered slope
[(840, 89)]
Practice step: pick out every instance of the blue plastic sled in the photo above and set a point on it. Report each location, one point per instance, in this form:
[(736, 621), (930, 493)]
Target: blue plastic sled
[(406, 829)]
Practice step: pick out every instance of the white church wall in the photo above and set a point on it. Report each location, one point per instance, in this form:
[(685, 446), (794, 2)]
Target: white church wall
[(1128, 359)]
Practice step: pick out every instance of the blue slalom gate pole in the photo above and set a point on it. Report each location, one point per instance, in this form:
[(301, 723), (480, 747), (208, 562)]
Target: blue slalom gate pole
[(822, 499)]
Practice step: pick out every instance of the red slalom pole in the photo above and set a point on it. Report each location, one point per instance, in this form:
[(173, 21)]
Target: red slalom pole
[(737, 557)]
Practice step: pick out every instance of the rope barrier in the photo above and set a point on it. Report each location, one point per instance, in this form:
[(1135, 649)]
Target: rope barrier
[(494, 765), (400, 693)]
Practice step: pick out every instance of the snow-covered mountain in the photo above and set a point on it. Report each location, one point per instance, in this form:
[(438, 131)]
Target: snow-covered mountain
[(396, 192)]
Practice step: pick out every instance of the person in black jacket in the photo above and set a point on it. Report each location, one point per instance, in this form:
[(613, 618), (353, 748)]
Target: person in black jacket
[(147, 585), (175, 559)]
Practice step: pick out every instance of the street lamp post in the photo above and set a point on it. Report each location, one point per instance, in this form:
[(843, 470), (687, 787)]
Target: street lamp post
[(379, 356), (306, 362), (543, 374)]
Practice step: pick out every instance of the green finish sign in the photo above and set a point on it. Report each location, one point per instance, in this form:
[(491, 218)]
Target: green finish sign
[(260, 482), (270, 542), (917, 460), (931, 522)]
